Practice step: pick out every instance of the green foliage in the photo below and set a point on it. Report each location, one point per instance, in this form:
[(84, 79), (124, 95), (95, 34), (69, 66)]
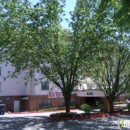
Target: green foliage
[(72, 107), (123, 108), (121, 10), (70, 114), (109, 40), (128, 107), (56, 108), (101, 107), (119, 102), (32, 39), (86, 108)]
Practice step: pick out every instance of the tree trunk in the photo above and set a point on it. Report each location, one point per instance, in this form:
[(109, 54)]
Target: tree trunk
[(67, 98), (110, 100)]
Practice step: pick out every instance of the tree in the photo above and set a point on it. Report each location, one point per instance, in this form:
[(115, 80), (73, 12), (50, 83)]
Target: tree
[(122, 13), (111, 73), (32, 39), (112, 68), (110, 46)]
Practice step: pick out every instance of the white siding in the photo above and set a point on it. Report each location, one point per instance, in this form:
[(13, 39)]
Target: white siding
[(16, 86), (90, 93), (11, 86), (38, 90)]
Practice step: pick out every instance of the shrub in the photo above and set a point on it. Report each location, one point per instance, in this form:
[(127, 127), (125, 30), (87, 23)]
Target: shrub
[(50, 109), (120, 102), (55, 108), (123, 108), (45, 109), (72, 107), (70, 114), (86, 108), (38, 110), (101, 107), (61, 108), (128, 107)]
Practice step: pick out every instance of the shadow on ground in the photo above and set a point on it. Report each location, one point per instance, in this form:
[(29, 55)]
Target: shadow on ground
[(41, 123)]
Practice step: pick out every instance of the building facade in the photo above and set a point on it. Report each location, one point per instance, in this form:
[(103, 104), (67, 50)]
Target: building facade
[(32, 97)]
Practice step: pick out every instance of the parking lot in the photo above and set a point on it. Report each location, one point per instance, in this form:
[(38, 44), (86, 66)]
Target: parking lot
[(39, 121)]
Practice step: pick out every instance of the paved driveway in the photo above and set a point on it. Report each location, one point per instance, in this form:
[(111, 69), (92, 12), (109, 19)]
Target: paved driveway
[(40, 122)]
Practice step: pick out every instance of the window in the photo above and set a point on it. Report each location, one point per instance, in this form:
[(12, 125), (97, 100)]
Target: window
[(117, 99), (45, 104), (45, 85), (42, 72), (71, 103)]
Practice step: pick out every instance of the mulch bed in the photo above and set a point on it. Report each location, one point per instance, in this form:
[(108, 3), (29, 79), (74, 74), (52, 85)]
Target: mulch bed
[(83, 116)]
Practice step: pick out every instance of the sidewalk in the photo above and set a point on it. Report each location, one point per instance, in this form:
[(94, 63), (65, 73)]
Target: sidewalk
[(55, 111), (49, 112)]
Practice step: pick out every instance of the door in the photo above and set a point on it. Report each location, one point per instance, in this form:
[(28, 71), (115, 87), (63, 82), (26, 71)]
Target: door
[(16, 106)]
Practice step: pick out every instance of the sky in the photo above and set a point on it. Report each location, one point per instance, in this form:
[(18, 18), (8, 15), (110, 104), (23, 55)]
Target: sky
[(70, 4)]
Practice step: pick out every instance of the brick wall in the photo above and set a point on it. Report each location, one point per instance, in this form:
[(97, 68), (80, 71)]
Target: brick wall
[(122, 98), (9, 102), (80, 101), (33, 102)]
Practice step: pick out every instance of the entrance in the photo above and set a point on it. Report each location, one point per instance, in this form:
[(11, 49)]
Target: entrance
[(24, 103), (16, 106), (93, 101)]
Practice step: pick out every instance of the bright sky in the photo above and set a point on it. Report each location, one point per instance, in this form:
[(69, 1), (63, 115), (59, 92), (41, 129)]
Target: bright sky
[(70, 4)]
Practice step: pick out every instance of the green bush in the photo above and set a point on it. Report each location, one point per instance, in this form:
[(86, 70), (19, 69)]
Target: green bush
[(72, 107), (120, 102), (62, 108), (38, 110), (123, 108), (128, 107), (101, 107), (55, 108), (45, 109), (86, 108), (62, 114), (50, 109)]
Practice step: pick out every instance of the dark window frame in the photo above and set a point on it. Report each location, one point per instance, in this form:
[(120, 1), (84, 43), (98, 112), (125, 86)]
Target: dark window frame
[(45, 85), (45, 104), (42, 72)]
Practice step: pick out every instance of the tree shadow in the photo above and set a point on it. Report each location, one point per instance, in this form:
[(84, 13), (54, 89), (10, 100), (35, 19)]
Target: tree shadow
[(42, 123)]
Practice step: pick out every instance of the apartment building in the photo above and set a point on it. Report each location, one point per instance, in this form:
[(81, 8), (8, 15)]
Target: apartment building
[(31, 97)]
